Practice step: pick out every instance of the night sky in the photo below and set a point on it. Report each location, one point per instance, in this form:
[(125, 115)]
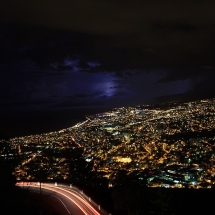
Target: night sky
[(63, 59)]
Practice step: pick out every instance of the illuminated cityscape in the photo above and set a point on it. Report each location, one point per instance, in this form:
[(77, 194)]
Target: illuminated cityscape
[(170, 145)]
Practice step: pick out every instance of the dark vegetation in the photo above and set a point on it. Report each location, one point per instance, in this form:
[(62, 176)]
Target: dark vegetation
[(130, 196), (190, 134), (134, 198), (13, 200)]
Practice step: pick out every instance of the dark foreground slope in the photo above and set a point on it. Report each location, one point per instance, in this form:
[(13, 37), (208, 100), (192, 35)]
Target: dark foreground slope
[(13, 200)]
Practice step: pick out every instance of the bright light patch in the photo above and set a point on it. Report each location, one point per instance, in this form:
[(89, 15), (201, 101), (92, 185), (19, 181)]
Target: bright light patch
[(107, 87), (122, 159)]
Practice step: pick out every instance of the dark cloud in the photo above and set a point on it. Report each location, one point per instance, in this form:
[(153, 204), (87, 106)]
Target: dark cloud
[(183, 74), (105, 17), (82, 95), (204, 89), (78, 102), (71, 55), (175, 27), (64, 68), (120, 94)]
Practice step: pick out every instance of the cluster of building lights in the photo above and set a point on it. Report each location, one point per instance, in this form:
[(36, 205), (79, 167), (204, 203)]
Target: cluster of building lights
[(170, 146)]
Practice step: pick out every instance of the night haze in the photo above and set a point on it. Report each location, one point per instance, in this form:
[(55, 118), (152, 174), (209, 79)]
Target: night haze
[(62, 60)]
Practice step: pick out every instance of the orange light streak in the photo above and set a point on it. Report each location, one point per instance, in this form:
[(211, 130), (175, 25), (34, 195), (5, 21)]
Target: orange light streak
[(76, 203), (78, 197)]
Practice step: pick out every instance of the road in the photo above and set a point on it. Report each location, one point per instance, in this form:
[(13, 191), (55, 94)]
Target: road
[(72, 202)]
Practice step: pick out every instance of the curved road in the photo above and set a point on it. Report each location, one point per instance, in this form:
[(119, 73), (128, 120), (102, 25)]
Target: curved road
[(72, 202)]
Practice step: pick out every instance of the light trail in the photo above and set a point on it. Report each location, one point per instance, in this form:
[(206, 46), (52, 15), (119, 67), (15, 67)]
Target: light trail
[(78, 197), (56, 189)]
